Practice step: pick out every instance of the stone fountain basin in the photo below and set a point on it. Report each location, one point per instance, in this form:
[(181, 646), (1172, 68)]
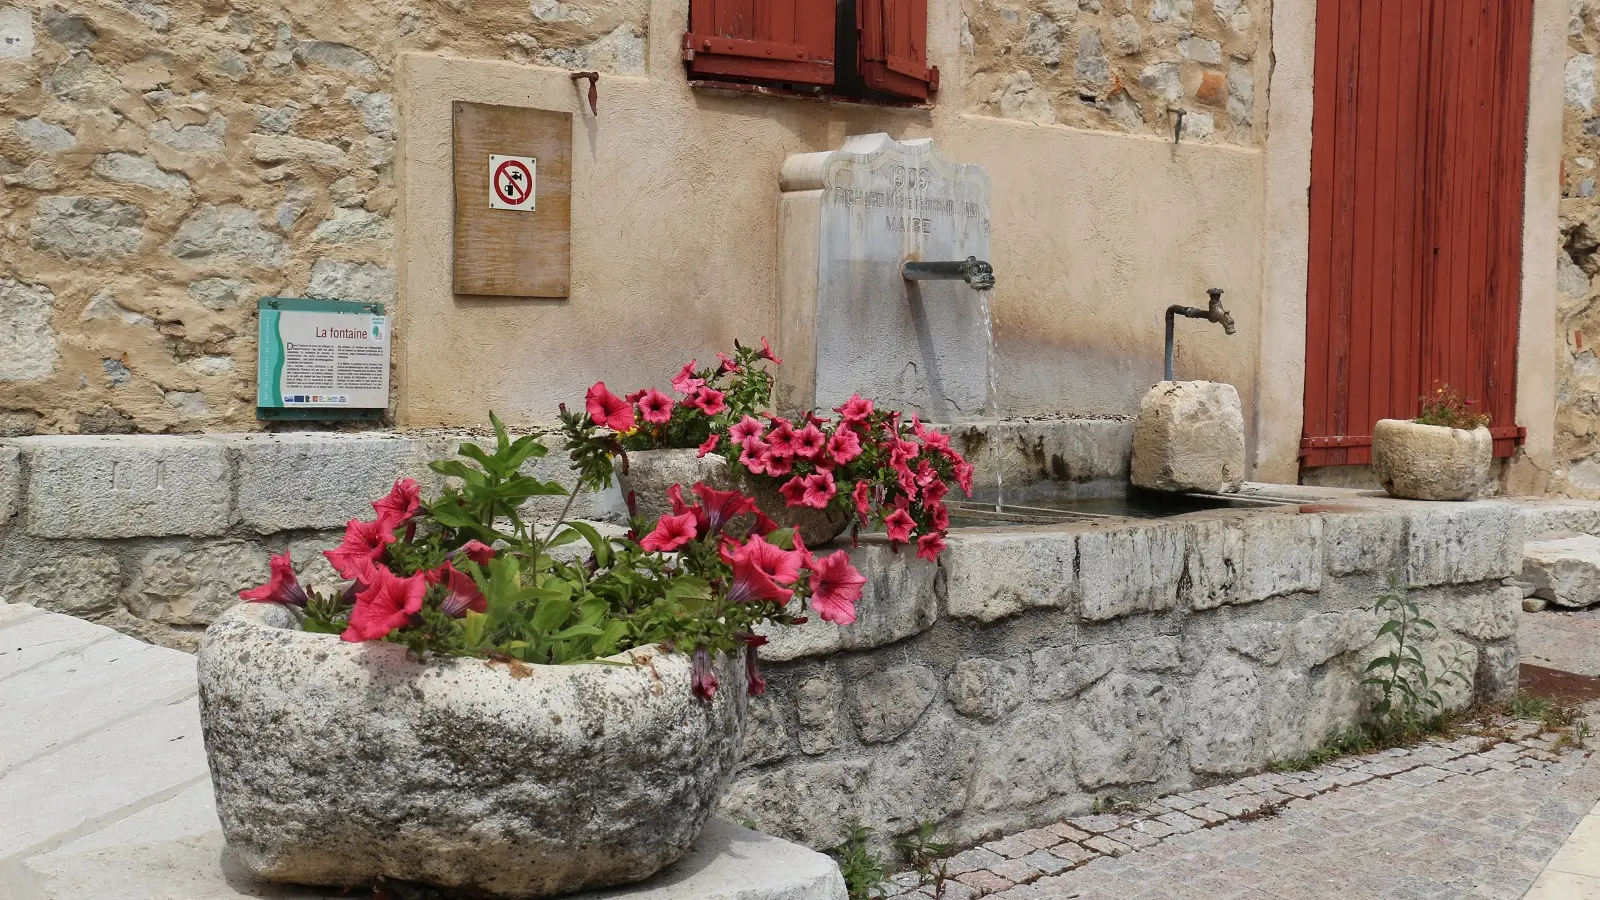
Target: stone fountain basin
[(1037, 669)]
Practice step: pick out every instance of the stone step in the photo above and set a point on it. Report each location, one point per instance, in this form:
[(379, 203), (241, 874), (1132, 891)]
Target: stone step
[(1564, 571)]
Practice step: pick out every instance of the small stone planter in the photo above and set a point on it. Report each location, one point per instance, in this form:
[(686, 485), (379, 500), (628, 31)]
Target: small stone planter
[(339, 764), (1431, 462), (652, 472)]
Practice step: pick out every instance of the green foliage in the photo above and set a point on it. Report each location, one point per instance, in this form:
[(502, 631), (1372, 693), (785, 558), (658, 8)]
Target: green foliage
[(570, 595), (1409, 694), (1446, 407), (925, 856), (863, 871), (1345, 741)]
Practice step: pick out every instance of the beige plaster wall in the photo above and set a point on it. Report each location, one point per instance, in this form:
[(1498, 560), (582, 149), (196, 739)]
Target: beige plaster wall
[(1094, 235)]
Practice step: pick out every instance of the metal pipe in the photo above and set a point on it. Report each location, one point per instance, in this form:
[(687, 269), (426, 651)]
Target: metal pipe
[(1213, 313), (974, 271)]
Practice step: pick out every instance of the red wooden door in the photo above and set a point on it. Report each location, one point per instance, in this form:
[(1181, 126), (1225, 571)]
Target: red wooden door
[(772, 40), (1416, 215)]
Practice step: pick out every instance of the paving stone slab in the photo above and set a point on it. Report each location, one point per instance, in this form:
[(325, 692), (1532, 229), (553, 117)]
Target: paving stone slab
[(68, 696), (30, 641)]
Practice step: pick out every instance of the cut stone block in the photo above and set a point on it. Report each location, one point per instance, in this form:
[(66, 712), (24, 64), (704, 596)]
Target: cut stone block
[(991, 576), (1566, 571), (1463, 542), (1189, 437), (289, 481), (124, 486), (27, 642), (10, 484)]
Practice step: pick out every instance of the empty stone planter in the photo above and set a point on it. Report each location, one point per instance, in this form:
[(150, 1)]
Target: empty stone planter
[(1431, 462), (652, 472), (1189, 437), (337, 764)]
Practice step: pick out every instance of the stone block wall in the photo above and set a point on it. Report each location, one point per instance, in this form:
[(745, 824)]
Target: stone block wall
[(155, 535), (1121, 65), (1034, 670), (166, 163)]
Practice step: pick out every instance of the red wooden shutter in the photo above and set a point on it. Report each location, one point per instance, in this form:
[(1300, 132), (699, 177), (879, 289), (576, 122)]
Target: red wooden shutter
[(892, 47), (770, 40), (1415, 276)]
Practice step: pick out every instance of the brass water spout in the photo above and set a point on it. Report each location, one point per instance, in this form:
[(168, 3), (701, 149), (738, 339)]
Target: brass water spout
[(978, 274)]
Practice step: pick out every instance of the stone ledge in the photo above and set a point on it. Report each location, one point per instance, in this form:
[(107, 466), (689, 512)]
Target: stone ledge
[(125, 486), (295, 481)]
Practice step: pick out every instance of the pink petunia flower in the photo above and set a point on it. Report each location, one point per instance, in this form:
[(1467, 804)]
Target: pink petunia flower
[(461, 592), (809, 442), (855, 410), (930, 545), (702, 680), (793, 491), (400, 504), (782, 566), (729, 364), (477, 551), (753, 455), (820, 490), (671, 533), (607, 409), (861, 496), (941, 516), (775, 465), (708, 400), (755, 684), (635, 396), (745, 429), (781, 438), (722, 506), (766, 353), (843, 446), (751, 583), (387, 602), (933, 492), (655, 407), (709, 445), (835, 588), (364, 544), (685, 381), (283, 586), (899, 525), (964, 477)]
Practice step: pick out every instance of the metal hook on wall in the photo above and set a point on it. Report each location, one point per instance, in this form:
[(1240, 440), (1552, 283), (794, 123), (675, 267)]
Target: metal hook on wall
[(1177, 127), (594, 90)]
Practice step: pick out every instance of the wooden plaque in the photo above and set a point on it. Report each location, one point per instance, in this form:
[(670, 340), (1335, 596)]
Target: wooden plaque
[(512, 252)]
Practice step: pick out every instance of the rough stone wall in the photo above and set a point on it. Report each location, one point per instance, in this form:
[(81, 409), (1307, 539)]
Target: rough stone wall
[(166, 163), (1032, 672), (1121, 65), (1578, 262)]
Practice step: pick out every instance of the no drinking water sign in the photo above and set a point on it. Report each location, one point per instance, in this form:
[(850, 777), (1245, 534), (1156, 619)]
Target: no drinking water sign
[(511, 182)]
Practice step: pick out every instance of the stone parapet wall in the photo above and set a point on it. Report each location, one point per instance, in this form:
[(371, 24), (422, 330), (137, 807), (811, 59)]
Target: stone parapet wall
[(154, 535), (1033, 671)]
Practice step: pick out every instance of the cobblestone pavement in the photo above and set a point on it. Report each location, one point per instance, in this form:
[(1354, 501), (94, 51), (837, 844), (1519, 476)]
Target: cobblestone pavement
[(1468, 818)]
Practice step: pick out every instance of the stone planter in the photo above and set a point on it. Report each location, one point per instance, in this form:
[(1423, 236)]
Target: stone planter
[(1431, 462), (652, 472), (337, 764)]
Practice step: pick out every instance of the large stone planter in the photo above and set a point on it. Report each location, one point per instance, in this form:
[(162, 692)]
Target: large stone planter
[(1431, 462), (338, 764), (652, 472)]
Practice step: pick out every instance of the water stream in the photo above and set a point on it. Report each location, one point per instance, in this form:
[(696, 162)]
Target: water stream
[(991, 399)]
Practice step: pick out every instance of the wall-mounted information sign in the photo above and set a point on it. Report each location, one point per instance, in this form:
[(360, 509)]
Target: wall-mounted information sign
[(322, 359)]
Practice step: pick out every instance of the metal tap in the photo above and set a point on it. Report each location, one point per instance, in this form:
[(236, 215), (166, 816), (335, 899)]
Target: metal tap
[(1213, 314), (978, 274)]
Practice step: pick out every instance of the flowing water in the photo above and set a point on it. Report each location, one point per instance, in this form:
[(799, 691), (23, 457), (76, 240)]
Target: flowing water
[(991, 398)]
